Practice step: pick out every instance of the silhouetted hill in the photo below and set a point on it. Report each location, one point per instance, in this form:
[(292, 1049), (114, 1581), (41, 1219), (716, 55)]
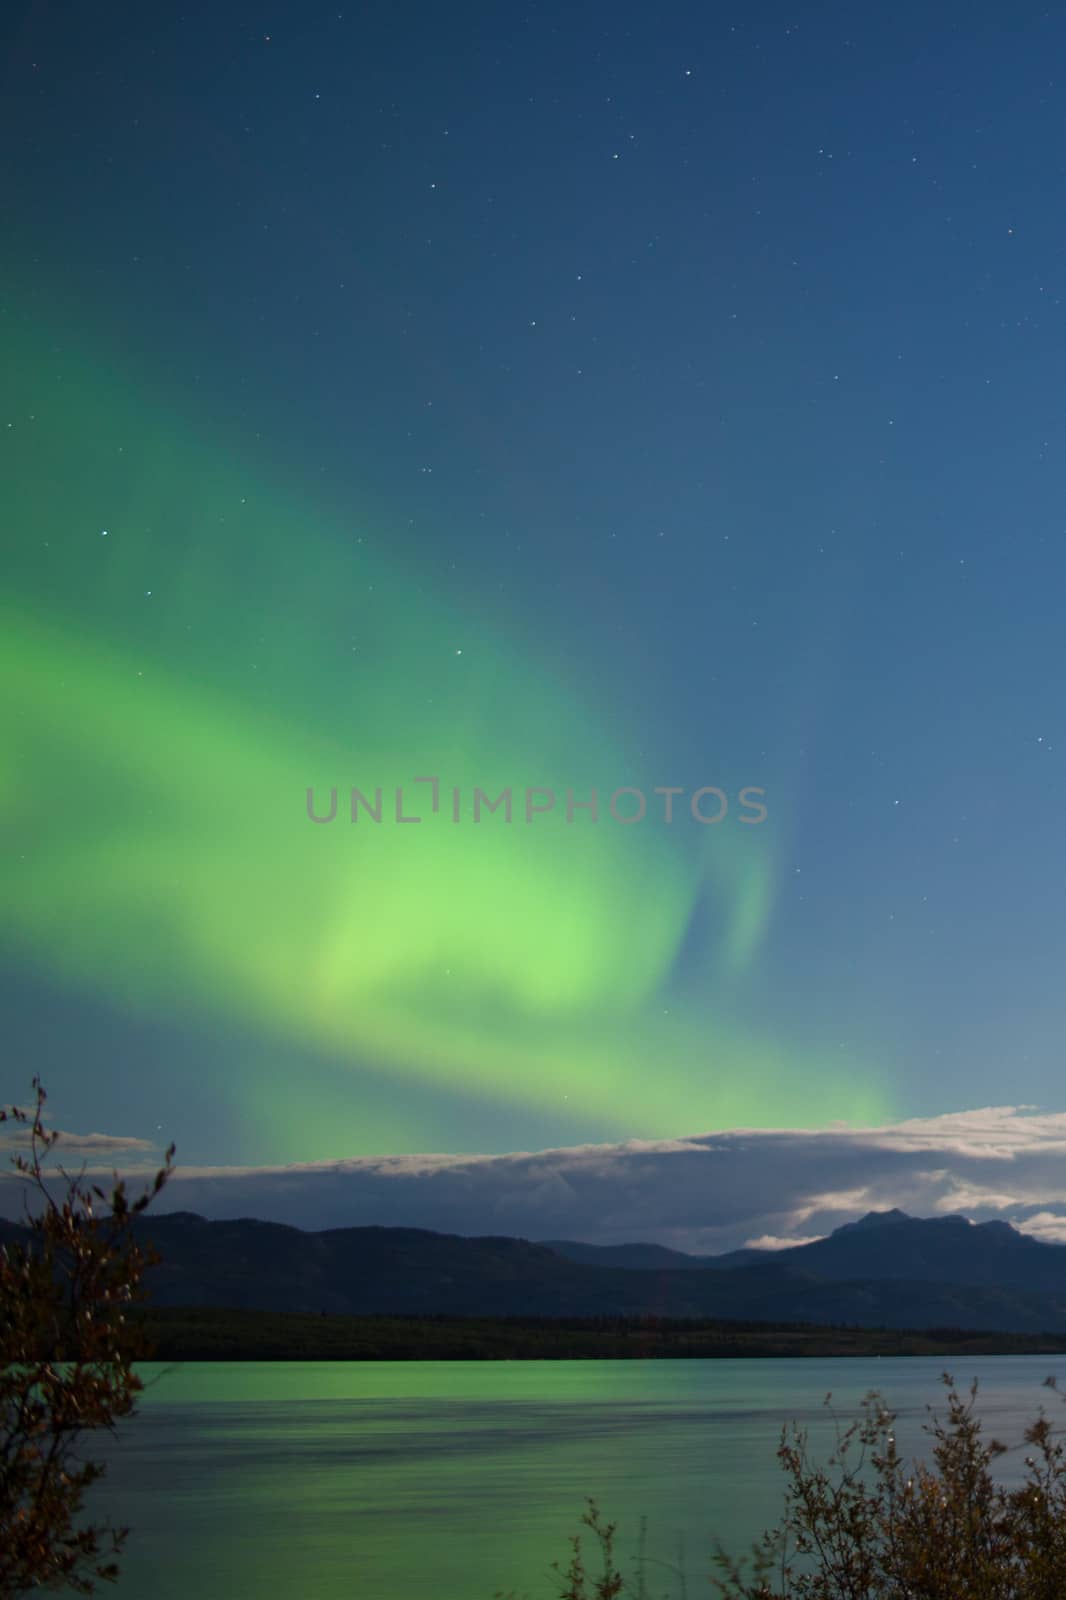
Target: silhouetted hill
[(269, 1266), (644, 1257), (887, 1270), (891, 1245), (894, 1272), (650, 1257), (881, 1245)]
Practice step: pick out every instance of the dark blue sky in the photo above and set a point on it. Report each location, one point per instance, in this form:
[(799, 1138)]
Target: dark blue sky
[(711, 355)]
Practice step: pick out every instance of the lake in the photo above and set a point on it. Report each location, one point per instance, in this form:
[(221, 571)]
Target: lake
[(453, 1480)]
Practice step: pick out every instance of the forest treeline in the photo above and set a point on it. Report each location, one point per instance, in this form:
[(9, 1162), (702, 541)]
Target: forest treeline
[(212, 1334)]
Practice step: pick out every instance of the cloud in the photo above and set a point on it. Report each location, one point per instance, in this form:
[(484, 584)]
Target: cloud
[(711, 1192), (87, 1146), (95, 1155), (1047, 1226), (770, 1241)]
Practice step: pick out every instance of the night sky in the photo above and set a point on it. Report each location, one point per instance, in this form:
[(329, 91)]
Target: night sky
[(555, 397)]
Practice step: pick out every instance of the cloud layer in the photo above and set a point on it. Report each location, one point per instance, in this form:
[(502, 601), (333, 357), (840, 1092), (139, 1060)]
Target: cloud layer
[(73, 1148), (710, 1193)]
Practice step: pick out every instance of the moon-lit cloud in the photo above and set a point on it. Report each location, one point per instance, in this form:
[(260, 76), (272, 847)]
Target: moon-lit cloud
[(715, 1192), (72, 1150)]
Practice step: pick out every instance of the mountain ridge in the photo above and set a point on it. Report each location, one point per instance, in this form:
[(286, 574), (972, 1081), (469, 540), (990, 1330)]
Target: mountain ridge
[(902, 1272)]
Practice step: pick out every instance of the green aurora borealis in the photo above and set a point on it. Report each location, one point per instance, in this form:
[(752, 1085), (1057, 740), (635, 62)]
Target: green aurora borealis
[(187, 648)]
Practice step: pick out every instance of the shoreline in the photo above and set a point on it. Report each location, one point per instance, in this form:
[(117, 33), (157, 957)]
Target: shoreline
[(215, 1334)]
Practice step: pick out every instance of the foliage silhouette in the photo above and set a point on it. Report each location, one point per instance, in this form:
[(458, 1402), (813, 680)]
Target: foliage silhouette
[(868, 1525), (67, 1348)]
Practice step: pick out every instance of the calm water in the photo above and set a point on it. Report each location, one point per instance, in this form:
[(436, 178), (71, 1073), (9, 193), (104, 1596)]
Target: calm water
[(398, 1480)]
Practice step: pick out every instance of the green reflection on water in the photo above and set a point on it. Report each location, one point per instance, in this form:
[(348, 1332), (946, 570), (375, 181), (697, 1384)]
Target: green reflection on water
[(397, 1480)]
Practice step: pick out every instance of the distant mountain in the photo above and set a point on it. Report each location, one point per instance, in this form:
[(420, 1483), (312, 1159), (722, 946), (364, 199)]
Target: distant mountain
[(650, 1257), (881, 1245), (891, 1245), (877, 1219), (888, 1270), (644, 1257)]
